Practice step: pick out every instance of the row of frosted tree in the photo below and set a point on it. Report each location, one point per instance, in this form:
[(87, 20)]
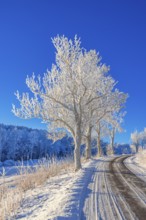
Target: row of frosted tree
[(77, 96), (138, 139), (22, 143)]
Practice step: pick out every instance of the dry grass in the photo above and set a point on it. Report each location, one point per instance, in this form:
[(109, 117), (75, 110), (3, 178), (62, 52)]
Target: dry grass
[(29, 178)]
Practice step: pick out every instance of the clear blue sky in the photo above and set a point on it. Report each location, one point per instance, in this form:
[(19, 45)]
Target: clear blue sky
[(117, 29)]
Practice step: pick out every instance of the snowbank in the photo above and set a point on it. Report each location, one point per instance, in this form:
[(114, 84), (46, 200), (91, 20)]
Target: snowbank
[(140, 158), (61, 196), (137, 164)]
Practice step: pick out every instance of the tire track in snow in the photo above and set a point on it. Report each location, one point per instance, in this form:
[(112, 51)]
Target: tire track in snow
[(115, 193), (114, 203), (130, 187), (102, 204)]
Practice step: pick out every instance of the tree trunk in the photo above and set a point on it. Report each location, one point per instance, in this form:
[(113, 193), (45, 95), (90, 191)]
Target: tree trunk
[(136, 146), (77, 140), (98, 145), (88, 144), (112, 145), (112, 140)]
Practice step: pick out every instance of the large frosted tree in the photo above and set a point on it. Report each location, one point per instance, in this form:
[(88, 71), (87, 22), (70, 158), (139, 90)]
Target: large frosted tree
[(63, 96)]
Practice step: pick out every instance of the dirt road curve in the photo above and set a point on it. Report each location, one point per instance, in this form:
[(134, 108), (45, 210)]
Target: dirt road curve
[(115, 193)]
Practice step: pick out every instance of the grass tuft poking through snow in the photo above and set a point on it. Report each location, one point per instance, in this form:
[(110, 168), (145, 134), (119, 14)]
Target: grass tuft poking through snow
[(29, 178)]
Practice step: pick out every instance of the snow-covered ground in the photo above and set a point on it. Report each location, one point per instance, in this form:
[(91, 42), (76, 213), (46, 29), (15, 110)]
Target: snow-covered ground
[(137, 164), (87, 194), (60, 197), (140, 159)]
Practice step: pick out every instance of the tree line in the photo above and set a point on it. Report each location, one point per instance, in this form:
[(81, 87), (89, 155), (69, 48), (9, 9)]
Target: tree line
[(22, 143), (138, 139)]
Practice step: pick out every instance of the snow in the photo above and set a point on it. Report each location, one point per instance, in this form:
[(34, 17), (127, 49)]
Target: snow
[(12, 168), (61, 196), (140, 159), (86, 194), (137, 164), (102, 202)]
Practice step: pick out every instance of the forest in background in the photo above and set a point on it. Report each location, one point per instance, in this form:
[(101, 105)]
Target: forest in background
[(18, 142)]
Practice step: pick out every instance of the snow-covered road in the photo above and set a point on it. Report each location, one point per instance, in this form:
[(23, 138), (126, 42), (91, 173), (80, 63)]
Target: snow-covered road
[(115, 193)]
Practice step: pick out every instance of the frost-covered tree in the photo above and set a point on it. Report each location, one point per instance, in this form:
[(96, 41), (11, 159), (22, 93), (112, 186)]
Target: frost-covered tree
[(106, 115), (142, 135), (2, 140), (97, 110), (67, 96), (101, 129), (17, 143), (139, 139), (62, 96), (135, 138), (108, 125), (114, 126)]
